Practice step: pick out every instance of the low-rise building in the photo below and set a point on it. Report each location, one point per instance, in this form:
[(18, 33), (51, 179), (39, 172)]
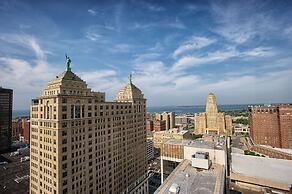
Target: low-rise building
[(258, 173), (188, 179), (175, 151), (161, 136), (21, 130), (240, 129)]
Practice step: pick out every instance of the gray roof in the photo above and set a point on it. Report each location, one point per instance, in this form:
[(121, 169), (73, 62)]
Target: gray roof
[(68, 75), (193, 181)]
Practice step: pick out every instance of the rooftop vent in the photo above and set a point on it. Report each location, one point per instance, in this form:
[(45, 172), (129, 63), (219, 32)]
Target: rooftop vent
[(174, 188)]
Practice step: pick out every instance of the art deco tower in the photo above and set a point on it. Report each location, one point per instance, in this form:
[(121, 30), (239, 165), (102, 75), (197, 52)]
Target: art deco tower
[(212, 121), (82, 144), (211, 105)]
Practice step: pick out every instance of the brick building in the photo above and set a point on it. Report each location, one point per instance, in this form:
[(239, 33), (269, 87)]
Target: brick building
[(159, 125), (271, 125), (20, 130), (168, 117), (149, 125)]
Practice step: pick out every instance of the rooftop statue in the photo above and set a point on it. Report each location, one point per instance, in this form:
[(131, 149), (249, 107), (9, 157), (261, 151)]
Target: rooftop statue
[(130, 79), (68, 62)]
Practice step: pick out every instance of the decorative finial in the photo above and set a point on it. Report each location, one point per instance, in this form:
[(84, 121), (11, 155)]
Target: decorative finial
[(68, 62), (130, 79)]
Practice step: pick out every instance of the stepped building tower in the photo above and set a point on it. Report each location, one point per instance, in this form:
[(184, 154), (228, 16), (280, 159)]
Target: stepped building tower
[(80, 143), (212, 121)]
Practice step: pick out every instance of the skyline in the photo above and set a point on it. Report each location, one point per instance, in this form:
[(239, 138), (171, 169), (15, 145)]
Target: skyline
[(237, 50)]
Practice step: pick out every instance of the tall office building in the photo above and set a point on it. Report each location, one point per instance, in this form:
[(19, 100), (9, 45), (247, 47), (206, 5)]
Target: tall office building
[(6, 98), (271, 125), (82, 144), (168, 117), (212, 121)]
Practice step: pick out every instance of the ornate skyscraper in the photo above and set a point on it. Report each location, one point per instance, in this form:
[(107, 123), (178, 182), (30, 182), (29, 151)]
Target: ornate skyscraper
[(212, 121), (82, 144)]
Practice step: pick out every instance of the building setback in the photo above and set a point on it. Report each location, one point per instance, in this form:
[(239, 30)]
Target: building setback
[(6, 98), (212, 121), (271, 125), (82, 144)]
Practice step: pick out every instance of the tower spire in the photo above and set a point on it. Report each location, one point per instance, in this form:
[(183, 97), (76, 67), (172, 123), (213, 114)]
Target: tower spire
[(68, 63)]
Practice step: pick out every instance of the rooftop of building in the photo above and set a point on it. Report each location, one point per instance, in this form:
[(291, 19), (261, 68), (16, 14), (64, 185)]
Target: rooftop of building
[(191, 180), (14, 174), (288, 151), (196, 143), (173, 131), (270, 106), (272, 171)]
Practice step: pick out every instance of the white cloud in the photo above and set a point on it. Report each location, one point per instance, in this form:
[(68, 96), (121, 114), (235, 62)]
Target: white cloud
[(239, 22), (142, 58), (121, 48), (220, 56), (259, 52), (177, 24), (192, 61), (92, 12), (26, 77), (193, 43), (99, 32)]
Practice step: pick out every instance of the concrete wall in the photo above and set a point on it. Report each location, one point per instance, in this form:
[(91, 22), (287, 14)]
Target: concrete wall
[(216, 156), (272, 169)]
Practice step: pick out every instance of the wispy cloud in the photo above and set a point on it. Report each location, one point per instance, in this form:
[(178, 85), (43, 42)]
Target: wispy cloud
[(240, 22), (195, 42), (193, 61), (176, 24), (99, 32), (91, 12)]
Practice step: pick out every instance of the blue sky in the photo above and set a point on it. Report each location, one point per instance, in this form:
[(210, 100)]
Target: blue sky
[(177, 51)]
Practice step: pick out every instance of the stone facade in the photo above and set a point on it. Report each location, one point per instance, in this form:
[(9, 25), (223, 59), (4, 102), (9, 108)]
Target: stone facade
[(162, 136), (271, 125), (212, 121), (82, 144)]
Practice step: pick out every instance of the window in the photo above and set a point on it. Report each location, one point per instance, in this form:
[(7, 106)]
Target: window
[(64, 116), (64, 100), (64, 108), (77, 111)]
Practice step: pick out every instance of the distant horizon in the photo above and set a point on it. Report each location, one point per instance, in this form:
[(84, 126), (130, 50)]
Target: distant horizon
[(276, 103)]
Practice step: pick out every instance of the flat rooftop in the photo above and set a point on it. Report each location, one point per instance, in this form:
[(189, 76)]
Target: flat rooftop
[(173, 131), (198, 181), (195, 143), (14, 175)]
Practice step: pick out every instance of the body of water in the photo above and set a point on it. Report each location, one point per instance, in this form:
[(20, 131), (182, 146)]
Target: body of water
[(176, 109), (196, 109)]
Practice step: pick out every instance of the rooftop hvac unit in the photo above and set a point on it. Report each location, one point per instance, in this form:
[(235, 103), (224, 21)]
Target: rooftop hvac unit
[(201, 160)]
